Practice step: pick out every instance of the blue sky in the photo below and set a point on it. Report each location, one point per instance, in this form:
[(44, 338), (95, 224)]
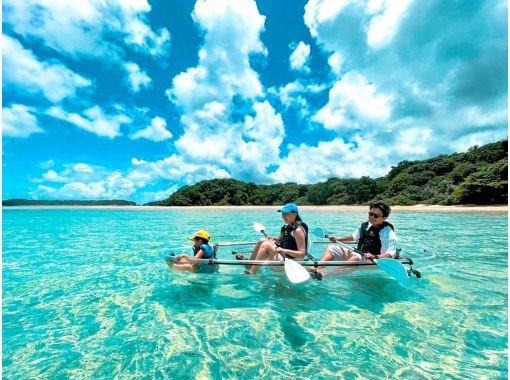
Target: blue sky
[(133, 99)]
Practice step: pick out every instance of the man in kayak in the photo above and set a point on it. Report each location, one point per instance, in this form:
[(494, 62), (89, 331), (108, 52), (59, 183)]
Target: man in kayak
[(376, 239), (201, 250), (291, 243)]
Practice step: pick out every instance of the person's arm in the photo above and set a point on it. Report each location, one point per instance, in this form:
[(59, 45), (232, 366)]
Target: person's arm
[(299, 236), (346, 239)]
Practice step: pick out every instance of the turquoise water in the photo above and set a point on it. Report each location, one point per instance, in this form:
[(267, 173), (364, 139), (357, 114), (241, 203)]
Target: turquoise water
[(87, 295)]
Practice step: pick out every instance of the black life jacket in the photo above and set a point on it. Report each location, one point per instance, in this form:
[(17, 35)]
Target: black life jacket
[(369, 240), (286, 239)]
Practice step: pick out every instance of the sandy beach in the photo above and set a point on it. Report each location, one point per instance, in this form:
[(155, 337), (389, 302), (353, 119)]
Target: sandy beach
[(415, 208)]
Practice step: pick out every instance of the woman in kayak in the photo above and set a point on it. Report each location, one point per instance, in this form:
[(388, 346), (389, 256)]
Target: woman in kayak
[(291, 243), (376, 239), (201, 250)]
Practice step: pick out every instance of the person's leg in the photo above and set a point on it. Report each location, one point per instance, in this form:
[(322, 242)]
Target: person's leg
[(256, 248), (183, 266), (334, 252), (240, 256), (266, 251)]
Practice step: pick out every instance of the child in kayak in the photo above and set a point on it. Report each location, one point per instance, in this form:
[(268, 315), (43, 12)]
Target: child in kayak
[(201, 250)]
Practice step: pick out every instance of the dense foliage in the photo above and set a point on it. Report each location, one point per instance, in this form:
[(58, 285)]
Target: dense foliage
[(31, 202), (479, 176)]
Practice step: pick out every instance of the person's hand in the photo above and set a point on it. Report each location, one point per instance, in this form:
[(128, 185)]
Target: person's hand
[(332, 239), (279, 250), (369, 256)]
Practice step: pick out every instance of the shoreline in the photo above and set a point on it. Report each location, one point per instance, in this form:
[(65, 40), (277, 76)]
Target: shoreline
[(329, 208)]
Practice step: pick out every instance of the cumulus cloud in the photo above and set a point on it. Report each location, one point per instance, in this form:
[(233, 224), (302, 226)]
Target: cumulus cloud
[(136, 77), (296, 95), (19, 121), (89, 27), (82, 168), (24, 72), (93, 120), (156, 131), (334, 158), (173, 168), (208, 93), (335, 62), (72, 172), (354, 103), (418, 87), (84, 181), (299, 57), (114, 186), (53, 176), (232, 31), (386, 18)]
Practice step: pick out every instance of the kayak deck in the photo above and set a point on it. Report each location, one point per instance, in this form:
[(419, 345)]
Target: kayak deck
[(273, 263)]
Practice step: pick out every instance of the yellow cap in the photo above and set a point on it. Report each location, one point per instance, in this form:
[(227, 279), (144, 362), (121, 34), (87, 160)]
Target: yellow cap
[(201, 234)]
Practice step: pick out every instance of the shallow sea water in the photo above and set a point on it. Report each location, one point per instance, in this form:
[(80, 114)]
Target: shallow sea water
[(86, 294)]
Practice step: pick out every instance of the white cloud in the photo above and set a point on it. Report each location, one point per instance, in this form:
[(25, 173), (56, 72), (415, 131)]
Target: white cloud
[(173, 168), (354, 103), (88, 27), (18, 121), (73, 172), (387, 15), (243, 149), (434, 87), (265, 132), (335, 61), (154, 132), (22, 70), (107, 186), (413, 141), (53, 176), (295, 94), (334, 158), (136, 77), (205, 95), (319, 12), (82, 168), (93, 120), (299, 57), (232, 31)]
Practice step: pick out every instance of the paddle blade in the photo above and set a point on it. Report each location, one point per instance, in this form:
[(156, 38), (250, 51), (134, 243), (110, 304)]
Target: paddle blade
[(295, 272), (319, 233), (395, 269), (258, 227)]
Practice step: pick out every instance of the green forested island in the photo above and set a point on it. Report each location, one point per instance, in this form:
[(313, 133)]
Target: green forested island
[(31, 202), (479, 176)]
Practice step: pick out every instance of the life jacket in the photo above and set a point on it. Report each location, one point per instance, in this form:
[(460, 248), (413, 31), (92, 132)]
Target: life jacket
[(208, 251), (369, 239), (286, 239)]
